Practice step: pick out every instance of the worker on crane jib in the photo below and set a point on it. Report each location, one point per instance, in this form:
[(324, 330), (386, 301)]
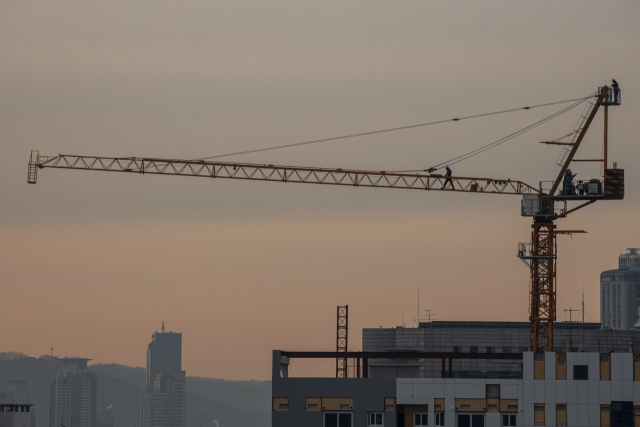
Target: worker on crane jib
[(448, 180)]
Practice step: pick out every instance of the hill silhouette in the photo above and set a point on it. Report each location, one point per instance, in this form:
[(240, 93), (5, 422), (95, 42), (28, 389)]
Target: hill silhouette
[(231, 403)]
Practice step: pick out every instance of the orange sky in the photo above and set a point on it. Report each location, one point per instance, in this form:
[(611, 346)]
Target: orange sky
[(236, 290), (90, 264)]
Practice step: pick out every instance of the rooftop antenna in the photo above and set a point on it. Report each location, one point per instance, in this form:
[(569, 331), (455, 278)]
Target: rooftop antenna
[(583, 318), (570, 310), (163, 326), (418, 321), (429, 317)]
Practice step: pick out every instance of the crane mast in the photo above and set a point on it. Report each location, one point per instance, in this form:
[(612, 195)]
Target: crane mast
[(544, 204), (541, 254)]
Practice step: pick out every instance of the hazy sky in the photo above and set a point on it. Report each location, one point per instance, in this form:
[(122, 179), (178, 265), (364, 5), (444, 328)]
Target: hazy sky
[(91, 263)]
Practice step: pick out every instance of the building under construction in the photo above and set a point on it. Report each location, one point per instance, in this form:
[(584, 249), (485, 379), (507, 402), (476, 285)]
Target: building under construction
[(465, 374), (482, 338), (565, 389)]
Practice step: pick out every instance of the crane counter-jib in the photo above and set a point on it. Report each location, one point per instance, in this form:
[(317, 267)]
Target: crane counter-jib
[(280, 173)]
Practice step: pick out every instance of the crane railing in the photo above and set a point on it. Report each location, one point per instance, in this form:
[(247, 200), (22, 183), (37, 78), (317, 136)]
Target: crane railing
[(269, 172)]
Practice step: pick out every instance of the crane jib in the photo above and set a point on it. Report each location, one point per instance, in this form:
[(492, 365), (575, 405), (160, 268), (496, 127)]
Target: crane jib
[(263, 172), (543, 204)]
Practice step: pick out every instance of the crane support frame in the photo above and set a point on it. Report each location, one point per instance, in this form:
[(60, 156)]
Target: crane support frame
[(263, 172), (578, 141), (342, 337), (543, 280)]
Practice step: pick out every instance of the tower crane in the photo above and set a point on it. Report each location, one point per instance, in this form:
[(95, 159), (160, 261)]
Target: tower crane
[(544, 204)]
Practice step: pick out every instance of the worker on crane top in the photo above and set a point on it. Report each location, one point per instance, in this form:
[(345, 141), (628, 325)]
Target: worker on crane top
[(568, 188), (616, 90), (448, 180)]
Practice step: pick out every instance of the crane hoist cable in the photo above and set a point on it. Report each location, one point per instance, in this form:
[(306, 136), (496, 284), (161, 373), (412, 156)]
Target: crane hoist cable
[(354, 135), (500, 141)]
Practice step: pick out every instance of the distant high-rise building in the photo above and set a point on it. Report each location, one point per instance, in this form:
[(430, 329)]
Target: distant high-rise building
[(73, 395), (17, 391), (12, 415), (619, 293), (105, 417), (163, 403)]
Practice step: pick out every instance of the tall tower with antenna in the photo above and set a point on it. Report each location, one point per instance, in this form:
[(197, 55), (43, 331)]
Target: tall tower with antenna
[(163, 396)]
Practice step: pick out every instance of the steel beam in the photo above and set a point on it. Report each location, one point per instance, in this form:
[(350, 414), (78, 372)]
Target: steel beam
[(341, 341), (365, 355), (264, 172)]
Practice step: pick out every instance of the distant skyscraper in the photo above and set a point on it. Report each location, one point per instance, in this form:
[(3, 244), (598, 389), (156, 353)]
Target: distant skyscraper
[(12, 415), (163, 403), (105, 417), (619, 292), (73, 395), (17, 391)]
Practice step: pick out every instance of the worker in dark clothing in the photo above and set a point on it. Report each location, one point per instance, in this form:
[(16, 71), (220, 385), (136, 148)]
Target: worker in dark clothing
[(616, 90), (568, 188), (448, 180)]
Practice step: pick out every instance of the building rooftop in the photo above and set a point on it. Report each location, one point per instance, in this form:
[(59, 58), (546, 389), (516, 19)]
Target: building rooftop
[(502, 325)]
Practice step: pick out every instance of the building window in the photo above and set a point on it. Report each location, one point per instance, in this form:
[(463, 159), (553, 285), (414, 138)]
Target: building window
[(338, 419), (439, 418), (561, 415), (523, 349), (420, 419), (457, 349), (374, 419), (538, 414), (509, 420), (470, 420), (280, 403), (621, 412), (580, 372), (493, 391), (389, 403), (473, 349), (506, 349)]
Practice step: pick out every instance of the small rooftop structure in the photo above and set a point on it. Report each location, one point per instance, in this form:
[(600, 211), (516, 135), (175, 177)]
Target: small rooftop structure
[(15, 407), (75, 364)]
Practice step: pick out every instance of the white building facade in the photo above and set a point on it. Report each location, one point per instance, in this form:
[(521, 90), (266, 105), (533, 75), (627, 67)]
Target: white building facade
[(574, 389)]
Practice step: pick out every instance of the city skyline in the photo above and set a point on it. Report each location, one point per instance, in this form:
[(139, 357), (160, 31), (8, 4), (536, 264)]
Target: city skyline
[(93, 262)]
